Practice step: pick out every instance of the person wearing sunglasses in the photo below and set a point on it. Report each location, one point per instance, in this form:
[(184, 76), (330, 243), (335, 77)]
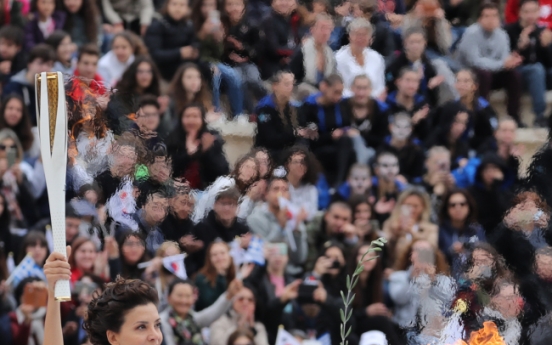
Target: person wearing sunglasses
[(458, 226), (241, 316)]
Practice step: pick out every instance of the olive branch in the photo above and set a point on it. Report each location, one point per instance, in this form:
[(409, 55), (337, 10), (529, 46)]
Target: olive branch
[(346, 312)]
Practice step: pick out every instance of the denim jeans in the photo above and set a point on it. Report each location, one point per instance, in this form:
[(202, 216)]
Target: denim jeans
[(534, 80), (232, 82), (251, 78), (457, 33)]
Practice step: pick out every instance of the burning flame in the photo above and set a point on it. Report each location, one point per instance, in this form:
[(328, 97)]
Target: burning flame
[(488, 335)]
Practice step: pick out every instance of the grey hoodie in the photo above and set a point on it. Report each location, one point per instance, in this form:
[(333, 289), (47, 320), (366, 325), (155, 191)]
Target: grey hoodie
[(484, 50)]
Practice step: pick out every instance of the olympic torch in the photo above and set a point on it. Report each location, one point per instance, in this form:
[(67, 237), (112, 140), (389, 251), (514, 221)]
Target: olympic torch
[(51, 116)]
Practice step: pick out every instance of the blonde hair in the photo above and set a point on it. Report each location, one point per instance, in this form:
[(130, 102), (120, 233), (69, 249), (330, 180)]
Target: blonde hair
[(420, 193)]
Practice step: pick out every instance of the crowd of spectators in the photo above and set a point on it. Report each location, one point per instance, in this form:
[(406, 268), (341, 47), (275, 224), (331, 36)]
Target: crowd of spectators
[(372, 120)]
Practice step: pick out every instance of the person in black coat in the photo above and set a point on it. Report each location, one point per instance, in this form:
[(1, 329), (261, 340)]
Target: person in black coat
[(12, 56), (333, 145), (413, 56), (276, 39), (221, 223), (369, 115), (196, 152), (449, 135), (406, 99), (171, 40), (278, 123)]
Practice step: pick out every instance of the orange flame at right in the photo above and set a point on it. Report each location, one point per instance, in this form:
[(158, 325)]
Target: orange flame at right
[(488, 335)]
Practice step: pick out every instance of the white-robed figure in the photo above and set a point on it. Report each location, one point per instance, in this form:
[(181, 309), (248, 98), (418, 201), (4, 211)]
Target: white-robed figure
[(244, 177)]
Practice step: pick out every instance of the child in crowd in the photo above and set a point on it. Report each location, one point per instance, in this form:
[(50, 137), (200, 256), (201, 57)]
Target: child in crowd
[(46, 21), (113, 64)]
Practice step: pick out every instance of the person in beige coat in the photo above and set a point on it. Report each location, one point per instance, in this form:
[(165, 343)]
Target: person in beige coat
[(241, 316), (409, 221)]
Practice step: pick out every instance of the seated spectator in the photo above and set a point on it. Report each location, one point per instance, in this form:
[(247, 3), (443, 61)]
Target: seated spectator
[(533, 44), (370, 312), (87, 66), (406, 99), (460, 15), (421, 271), (383, 40), (171, 39), (333, 225), (242, 315), (482, 117), (12, 55), (356, 59), (221, 223), (274, 286), (302, 174), (210, 34), (491, 192), (180, 323), (240, 49), (215, 276), (368, 229), (438, 179), (122, 54), (132, 249), (315, 48), (409, 221), (122, 15), (196, 152), (449, 135), (41, 59), (414, 57), (485, 48), (178, 226), (27, 321), (154, 207), (140, 78), (245, 178), (84, 259), (73, 222), (458, 228), (14, 115), (430, 16), (82, 22), (188, 87), (269, 221), (359, 182), (275, 32), (278, 124), (333, 145), (46, 20), (512, 13), (369, 114), (503, 144), (61, 42), (35, 244), (386, 184), (411, 156)]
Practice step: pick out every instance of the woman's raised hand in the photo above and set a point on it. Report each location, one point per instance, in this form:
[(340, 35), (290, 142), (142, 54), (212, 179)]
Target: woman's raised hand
[(57, 268)]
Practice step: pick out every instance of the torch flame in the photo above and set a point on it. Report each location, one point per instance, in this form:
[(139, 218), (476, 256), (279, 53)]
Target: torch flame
[(488, 335)]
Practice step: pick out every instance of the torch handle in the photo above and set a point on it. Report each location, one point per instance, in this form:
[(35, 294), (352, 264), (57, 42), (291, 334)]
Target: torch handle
[(63, 288)]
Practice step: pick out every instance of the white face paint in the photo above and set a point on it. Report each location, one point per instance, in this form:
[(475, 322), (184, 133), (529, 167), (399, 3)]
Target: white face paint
[(388, 167), (401, 129), (360, 181)]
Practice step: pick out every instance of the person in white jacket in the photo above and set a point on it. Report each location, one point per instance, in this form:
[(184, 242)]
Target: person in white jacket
[(113, 64), (357, 58)]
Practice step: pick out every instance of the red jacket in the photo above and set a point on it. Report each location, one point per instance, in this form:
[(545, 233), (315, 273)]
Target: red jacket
[(512, 12), (96, 84), (20, 331)]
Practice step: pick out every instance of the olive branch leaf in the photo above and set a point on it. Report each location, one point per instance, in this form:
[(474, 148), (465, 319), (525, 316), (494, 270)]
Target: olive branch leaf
[(346, 312)]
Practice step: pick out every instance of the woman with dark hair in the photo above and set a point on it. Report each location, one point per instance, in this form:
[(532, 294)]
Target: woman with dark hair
[(133, 251), (215, 276), (34, 243), (82, 21), (125, 312), (482, 119), (245, 177), (61, 42), (188, 87), (241, 337), (458, 227), (196, 152), (303, 170), (368, 228), (140, 78), (171, 39), (370, 312), (15, 116)]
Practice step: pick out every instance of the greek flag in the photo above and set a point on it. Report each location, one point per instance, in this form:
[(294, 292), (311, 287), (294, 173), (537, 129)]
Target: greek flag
[(26, 268), (255, 251)]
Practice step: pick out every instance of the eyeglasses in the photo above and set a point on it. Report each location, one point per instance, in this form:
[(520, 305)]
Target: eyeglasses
[(454, 204), (4, 147), (242, 299)]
